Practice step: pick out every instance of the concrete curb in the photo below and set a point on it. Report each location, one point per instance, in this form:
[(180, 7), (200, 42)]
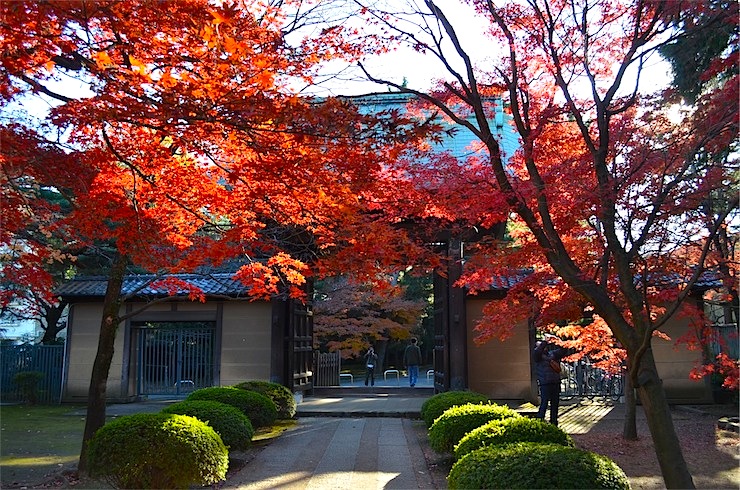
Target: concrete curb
[(358, 414)]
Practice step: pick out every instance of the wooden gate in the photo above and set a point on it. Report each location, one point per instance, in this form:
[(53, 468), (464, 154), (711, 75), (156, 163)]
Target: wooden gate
[(292, 361), (441, 360), (327, 366), (450, 322)]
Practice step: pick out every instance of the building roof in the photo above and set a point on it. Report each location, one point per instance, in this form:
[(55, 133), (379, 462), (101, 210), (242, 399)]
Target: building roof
[(217, 284), (461, 143)]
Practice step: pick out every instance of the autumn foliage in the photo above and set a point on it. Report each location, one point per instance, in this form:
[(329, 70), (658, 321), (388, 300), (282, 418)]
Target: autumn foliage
[(614, 203), (185, 141), (189, 144)]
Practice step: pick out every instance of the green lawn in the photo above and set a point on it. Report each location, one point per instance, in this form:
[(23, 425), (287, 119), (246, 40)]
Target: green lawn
[(36, 441)]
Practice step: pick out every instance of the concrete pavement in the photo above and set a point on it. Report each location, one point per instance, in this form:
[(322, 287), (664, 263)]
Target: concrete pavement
[(339, 453), (364, 438)]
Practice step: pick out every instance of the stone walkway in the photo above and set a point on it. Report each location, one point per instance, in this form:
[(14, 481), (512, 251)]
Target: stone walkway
[(365, 440), (339, 453)]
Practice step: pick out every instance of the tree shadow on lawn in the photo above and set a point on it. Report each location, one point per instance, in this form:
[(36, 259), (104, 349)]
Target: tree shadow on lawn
[(38, 443)]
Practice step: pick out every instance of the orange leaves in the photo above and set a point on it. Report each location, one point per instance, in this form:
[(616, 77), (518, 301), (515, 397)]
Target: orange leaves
[(723, 366), (276, 275)]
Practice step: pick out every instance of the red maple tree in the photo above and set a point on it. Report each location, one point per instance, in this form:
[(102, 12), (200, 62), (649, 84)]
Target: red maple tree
[(189, 146), (605, 191)]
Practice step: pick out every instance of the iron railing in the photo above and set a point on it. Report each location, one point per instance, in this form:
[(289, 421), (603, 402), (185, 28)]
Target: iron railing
[(45, 359), (584, 380)]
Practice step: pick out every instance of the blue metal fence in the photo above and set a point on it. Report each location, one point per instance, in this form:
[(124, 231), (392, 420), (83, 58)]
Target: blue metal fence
[(46, 359)]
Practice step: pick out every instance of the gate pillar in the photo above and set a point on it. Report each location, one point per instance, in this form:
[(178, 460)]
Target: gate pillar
[(458, 335), (450, 324)]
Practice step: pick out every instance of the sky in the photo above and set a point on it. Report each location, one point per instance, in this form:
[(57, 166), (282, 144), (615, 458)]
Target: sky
[(403, 65)]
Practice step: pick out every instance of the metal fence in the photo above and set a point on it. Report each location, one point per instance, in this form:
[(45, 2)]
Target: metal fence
[(175, 360), (581, 379), (327, 366), (45, 359)]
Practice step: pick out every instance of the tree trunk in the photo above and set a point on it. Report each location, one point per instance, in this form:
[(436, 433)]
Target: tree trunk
[(52, 314), (96, 397), (655, 404), (630, 406)]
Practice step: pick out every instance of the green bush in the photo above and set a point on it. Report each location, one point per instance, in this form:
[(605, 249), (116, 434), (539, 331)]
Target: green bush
[(260, 410), (437, 404), (506, 431), (228, 421), (457, 421), (279, 394), (28, 384), (535, 465), (157, 450)]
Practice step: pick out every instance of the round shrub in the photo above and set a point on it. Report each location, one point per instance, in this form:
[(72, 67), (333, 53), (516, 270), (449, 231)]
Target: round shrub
[(535, 465), (28, 383), (260, 410), (157, 450), (437, 404), (279, 394), (457, 421), (509, 430), (228, 421)]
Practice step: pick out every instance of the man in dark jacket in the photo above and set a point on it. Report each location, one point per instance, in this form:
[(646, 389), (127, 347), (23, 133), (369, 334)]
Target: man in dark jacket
[(411, 360), (546, 356)]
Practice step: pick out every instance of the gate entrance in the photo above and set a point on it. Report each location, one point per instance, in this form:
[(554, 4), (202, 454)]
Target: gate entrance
[(175, 358)]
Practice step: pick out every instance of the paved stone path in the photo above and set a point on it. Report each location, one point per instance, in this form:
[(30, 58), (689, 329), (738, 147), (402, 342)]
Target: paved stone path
[(339, 453)]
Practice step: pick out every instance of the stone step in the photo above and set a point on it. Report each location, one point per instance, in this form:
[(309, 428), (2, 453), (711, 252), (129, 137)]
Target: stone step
[(333, 391)]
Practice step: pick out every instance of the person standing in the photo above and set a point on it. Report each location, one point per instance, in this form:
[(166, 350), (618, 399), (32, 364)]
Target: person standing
[(411, 360), (546, 358), (371, 360)]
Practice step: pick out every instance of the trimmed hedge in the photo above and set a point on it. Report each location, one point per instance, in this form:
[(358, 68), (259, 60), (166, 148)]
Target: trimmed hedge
[(510, 430), (229, 422), (260, 410), (457, 421), (279, 394), (437, 404), (157, 450), (535, 465)]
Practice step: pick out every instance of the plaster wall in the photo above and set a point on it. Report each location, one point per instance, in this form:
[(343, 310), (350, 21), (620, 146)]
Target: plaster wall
[(500, 370), (674, 365), (246, 342), (242, 344), (82, 346)]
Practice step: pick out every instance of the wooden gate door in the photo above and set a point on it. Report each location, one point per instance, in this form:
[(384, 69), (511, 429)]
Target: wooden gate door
[(292, 348), (441, 359), (450, 323), (301, 361)]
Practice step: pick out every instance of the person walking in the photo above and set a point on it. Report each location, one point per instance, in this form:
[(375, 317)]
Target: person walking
[(371, 360), (411, 361), (547, 358)]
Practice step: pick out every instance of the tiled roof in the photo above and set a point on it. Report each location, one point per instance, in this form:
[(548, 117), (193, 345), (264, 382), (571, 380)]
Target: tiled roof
[(140, 285), (708, 280), (506, 282)]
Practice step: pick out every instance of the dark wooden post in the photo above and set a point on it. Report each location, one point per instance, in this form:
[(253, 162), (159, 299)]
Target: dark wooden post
[(281, 347), (458, 335)]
